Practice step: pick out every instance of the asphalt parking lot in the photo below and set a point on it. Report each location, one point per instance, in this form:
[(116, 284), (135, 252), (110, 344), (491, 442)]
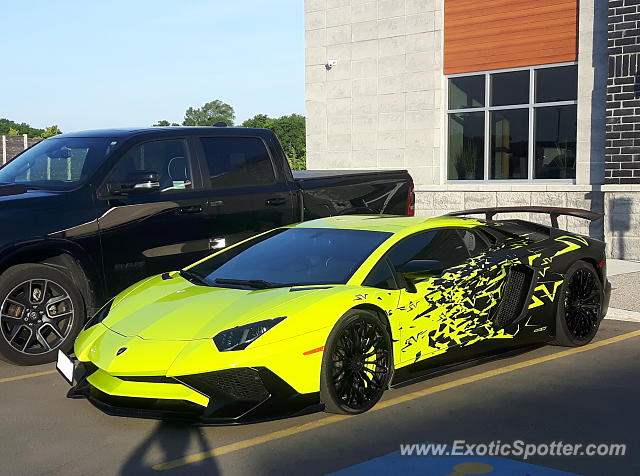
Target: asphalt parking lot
[(585, 395)]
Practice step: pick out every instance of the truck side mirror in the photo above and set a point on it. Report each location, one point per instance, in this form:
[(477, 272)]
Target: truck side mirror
[(144, 181)]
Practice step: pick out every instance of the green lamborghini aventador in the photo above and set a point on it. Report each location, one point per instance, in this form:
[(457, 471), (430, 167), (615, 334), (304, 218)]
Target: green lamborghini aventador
[(334, 311)]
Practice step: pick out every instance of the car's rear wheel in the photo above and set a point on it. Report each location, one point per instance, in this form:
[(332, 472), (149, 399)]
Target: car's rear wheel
[(356, 364), (580, 306), (41, 311)]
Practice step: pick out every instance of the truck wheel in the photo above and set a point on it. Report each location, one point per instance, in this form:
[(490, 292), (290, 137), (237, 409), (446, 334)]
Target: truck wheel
[(579, 307), (41, 311), (356, 365)]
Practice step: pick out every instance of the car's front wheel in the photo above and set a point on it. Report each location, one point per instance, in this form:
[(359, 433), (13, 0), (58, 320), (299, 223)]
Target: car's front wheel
[(356, 364), (41, 311), (580, 306)]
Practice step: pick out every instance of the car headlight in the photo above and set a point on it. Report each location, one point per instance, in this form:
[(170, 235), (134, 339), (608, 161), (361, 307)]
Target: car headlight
[(99, 316), (238, 338)]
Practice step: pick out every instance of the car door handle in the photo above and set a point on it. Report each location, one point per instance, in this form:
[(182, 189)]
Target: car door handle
[(273, 202), (190, 209), (216, 203)]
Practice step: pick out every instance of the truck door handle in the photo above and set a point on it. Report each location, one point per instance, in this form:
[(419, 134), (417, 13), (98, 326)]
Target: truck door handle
[(273, 202), (190, 209)]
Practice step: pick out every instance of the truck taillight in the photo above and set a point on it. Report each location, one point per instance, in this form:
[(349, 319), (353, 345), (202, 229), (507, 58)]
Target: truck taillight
[(411, 204)]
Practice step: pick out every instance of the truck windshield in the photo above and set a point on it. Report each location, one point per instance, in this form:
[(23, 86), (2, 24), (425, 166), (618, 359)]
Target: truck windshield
[(58, 163), (290, 256)]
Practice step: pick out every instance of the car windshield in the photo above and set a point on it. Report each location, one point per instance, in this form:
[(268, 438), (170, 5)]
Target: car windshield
[(58, 163), (290, 256)]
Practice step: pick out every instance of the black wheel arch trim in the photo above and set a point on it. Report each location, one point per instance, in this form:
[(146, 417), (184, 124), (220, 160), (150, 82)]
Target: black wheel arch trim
[(61, 254)]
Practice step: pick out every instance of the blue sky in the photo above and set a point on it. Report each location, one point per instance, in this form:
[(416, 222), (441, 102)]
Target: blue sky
[(86, 65)]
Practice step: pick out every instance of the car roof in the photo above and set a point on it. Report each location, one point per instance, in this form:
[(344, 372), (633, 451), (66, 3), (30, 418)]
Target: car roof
[(150, 132), (388, 223)]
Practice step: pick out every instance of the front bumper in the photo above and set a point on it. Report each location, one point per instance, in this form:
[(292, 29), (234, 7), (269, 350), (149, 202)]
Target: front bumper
[(230, 396)]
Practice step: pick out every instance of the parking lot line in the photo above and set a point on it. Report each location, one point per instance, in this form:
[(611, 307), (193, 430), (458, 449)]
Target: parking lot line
[(240, 445), (22, 377)]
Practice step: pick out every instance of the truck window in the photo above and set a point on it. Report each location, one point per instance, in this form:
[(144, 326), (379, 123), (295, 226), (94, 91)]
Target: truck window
[(237, 161), (58, 163), (168, 158)]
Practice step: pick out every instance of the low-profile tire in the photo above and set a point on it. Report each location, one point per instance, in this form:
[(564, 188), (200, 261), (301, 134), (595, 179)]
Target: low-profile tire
[(579, 306), (41, 311), (356, 363)]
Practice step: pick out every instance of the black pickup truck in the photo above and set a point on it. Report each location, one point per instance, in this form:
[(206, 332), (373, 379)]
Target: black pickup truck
[(85, 215)]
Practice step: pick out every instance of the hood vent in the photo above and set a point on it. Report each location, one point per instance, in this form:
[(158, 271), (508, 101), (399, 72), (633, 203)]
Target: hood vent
[(309, 288)]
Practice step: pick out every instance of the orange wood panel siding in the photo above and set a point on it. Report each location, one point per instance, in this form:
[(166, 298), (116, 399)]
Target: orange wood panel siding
[(494, 34)]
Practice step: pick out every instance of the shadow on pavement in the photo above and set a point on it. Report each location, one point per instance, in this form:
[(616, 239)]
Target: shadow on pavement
[(172, 441)]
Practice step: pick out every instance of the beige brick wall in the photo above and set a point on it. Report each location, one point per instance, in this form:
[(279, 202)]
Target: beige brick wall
[(439, 202), (592, 90), (380, 106), (622, 221)]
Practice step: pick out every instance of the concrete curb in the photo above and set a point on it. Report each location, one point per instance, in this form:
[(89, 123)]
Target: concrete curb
[(622, 315), (618, 266)]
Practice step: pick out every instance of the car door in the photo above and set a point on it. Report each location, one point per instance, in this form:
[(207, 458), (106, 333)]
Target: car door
[(155, 230), (248, 194), (451, 308)]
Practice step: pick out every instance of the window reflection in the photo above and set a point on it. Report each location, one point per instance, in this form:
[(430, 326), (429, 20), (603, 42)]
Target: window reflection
[(509, 144), (534, 106), (466, 146), (555, 145), (557, 84), (510, 88), (466, 92)]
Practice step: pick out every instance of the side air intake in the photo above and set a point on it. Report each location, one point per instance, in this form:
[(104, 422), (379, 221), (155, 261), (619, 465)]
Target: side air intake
[(515, 294)]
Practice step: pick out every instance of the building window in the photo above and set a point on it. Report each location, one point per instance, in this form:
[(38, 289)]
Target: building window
[(513, 125)]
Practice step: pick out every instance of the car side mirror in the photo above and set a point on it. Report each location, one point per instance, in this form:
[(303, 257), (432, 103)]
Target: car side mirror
[(144, 181), (419, 269)]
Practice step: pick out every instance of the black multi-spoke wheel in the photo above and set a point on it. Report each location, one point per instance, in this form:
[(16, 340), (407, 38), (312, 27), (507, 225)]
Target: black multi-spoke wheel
[(580, 306), (357, 363), (40, 312)]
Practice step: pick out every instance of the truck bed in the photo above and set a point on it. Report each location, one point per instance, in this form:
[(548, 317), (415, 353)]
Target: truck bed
[(304, 175), (347, 192)]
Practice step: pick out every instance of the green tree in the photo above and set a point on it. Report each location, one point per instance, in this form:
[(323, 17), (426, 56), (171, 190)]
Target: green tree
[(13, 132), (50, 132), (207, 115), (260, 121), (291, 131), (23, 128), (165, 123)]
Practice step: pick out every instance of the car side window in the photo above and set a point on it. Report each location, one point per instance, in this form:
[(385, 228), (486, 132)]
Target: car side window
[(474, 242), (381, 276), (167, 158), (444, 245), (237, 161)]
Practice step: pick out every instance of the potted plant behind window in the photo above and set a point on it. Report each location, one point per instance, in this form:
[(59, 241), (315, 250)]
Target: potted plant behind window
[(466, 159)]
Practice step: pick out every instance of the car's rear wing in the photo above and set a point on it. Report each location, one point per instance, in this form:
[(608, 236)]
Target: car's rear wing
[(553, 212)]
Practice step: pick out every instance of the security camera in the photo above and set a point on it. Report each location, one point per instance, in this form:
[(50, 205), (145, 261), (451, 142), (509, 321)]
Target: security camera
[(331, 63)]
